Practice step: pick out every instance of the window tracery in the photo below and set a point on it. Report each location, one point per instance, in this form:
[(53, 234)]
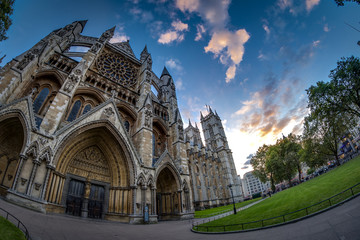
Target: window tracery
[(117, 68)]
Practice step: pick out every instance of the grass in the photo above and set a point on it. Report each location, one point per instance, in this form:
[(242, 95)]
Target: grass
[(9, 231), (223, 209), (295, 198)]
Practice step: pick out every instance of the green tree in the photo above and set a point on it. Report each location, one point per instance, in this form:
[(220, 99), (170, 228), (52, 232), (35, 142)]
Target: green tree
[(283, 159), (6, 9), (342, 2), (258, 162), (326, 129), (341, 94), (311, 153)]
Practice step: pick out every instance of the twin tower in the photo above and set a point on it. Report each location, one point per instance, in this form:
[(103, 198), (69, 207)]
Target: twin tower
[(82, 133)]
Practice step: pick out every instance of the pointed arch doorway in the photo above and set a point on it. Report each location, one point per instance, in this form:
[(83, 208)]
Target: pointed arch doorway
[(168, 196)]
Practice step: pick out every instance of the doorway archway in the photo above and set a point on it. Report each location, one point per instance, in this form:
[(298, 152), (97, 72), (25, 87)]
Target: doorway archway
[(168, 196)]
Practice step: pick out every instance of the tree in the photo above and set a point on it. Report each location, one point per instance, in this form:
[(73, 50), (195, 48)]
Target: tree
[(326, 130), (311, 153), (342, 94), (258, 162), (341, 2), (6, 9), (283, 159)]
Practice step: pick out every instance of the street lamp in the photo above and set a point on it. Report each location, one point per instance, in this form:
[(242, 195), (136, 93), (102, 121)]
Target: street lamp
[(232, 195)]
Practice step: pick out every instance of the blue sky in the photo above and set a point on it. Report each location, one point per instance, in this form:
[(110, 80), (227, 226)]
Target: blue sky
[(250, 60)]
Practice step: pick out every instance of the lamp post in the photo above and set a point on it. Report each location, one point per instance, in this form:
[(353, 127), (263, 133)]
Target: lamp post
[(232, 195)]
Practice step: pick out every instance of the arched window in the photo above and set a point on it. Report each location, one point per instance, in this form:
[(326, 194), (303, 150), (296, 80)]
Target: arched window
[(40, 99), (74, 111), (127, 125), (86, 109)]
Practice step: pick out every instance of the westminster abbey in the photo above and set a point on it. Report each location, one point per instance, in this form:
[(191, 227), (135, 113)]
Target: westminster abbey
[(82, 133)]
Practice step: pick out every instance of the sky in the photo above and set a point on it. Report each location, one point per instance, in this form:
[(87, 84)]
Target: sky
[(251, 61)]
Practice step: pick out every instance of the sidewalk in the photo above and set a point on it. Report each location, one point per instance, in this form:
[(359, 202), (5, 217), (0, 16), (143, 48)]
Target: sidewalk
[(340, 223)]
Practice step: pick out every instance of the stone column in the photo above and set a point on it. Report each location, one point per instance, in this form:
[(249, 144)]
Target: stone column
[(153, 199), (48, 171), (22, 159), (32, 176), (180, 193), (133, 190)]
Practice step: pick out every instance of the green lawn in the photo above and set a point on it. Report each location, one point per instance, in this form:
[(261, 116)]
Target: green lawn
[(9, 231), (295, 198), (218, 210)]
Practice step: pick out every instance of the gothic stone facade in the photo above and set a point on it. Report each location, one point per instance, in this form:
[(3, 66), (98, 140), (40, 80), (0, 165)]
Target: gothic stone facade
[(90, 138)]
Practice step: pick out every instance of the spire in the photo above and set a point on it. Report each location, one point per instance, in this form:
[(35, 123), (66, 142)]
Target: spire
[(210, 110), (144, 54), (144, 51), (196, 126), (216, 114), (107, 35), (190, 123), (165, 72), (201, 116), (83, 23)]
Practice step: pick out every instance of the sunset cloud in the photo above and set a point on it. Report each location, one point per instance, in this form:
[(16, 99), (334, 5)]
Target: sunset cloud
[(175, 33), (310, 4), (229, 47), (200, 31), (119, 35)]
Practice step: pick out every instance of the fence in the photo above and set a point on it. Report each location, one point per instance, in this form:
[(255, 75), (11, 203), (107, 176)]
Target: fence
[(11, 218), (303, 212)]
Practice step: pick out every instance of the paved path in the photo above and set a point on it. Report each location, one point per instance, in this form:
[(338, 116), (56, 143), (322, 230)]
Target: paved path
[(342, 223)]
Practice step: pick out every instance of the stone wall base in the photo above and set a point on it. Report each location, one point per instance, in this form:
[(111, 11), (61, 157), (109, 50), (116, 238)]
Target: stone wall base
[(25, 201)]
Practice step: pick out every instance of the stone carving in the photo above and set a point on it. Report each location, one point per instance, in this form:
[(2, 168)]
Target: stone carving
[(66, 29), (77, 72), (95, 47), (105, 36), (148, 77), (91, 162), (43, 141), (148, 115), (148, 63), (108, 112), (37, 186), (117, 69), (181, 132), (70, 83), (23, 181), (26, 60)]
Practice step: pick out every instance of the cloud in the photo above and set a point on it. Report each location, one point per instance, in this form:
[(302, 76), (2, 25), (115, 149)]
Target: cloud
[(200, 31), (174, 64), (180, 26), (188, 5), (266, 29), (213, 12), (225, 44), (316, 43), (310, 4), (119, 35), (326, 28), (174, 34), (142, 15), (229, 47)]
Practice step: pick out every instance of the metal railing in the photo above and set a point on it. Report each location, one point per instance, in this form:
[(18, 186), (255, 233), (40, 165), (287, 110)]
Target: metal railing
[(11, 218), (281, 219)]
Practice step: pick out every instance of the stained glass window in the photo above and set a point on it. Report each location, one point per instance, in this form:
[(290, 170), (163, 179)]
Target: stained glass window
[(74, 111), (41, 97), (86, 109)]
